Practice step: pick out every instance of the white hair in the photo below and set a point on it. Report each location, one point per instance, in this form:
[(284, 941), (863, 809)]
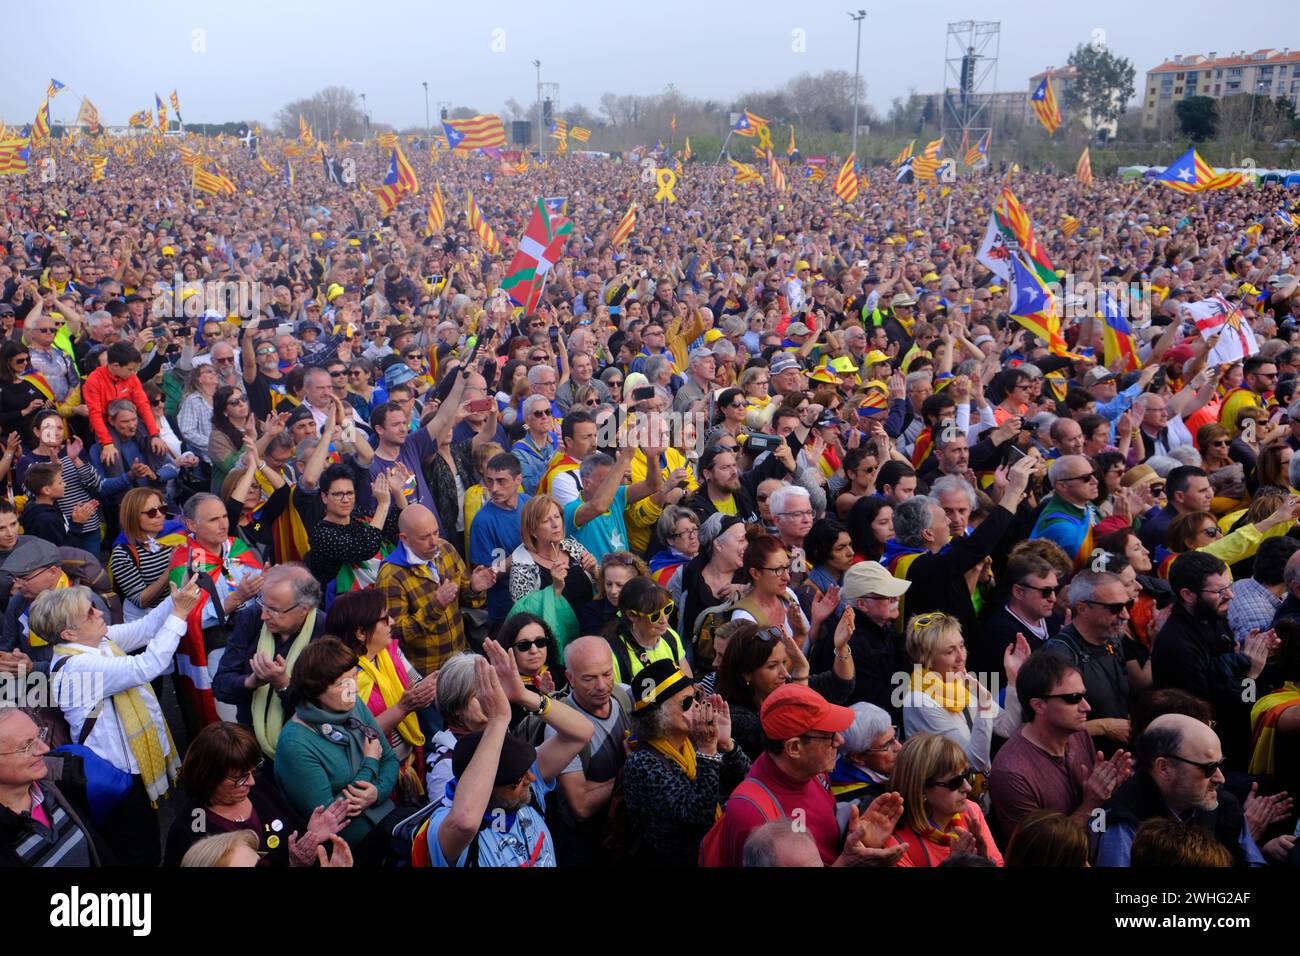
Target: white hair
[(953, 483), (1186, 455), (778, 502), (1162, 465), (869, 722)]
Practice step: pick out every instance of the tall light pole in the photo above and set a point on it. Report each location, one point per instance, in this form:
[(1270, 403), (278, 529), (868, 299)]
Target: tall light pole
[(428, 130), (541, 139), (365, 117), (857, 63)]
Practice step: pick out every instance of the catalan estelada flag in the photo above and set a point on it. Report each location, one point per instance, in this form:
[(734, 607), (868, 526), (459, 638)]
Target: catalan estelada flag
[(480, 132), (1191, 174), (1033, 307), (1117, 335), (745, 173), (401, 174), (54, 88), (625, 226), (846, 181), (904, 155), (436, 221), (778, 177), (480, 226), (161, 111), (41, 125), (139, 119), (1083, 168), (288, 173), (814, 173), (1044, 103), (749, 124), (979, 151)]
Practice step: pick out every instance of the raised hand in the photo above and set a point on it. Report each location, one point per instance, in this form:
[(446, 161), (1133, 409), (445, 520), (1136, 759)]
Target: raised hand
[(1101, 782), (492, 697), (508, 679), (1014, 656), (1263, 812)]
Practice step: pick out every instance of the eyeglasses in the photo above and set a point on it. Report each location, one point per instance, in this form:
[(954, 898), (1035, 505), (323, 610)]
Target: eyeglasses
[(688, 701), (953, 783), (42, 735), (21, 360), (783, 569), (688, 533), (1044, 590), (338, 374), (888, 746), (1157, 490), (764, 497), (241, 777), (154, 512), (541, 643), (236, 400), (817, 736), (1219, 441), (1211, 530), (663, 614), (1088, 477), (795, 514), (1068, 698), (592, 401), (1209, 769), (276, 610), (1218, 592), (542, 414), (1113, 608), (340, 495)]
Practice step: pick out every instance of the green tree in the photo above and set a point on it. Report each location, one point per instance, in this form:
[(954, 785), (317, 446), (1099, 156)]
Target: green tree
[(1103, 86), (1197, 117)]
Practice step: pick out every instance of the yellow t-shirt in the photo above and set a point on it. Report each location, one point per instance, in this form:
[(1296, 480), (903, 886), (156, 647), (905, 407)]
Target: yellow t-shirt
[(727, 507), (638, 532)]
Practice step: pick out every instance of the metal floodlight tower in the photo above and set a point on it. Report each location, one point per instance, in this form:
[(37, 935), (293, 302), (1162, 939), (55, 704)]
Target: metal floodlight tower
[(969, 81)]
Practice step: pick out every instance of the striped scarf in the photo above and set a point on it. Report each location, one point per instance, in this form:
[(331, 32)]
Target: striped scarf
[(1263, 726), (157, 770)]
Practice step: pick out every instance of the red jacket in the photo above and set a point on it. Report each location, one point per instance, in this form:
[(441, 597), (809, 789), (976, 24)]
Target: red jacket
[(103, 387)]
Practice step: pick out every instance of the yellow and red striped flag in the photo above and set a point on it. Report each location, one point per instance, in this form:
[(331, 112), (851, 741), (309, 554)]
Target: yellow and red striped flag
[(161, 111), (1069, 224), (580, 134), (176, 103), (207, 182), (387, 140), (778, 177), (41, 125), (437, 218), (559, 129), (745, 173), (14, 155), (140, 119), (405, 174), (478, 132), (304, 133), (904, 155), (686, 153), (1044, 103), (265, 165), (625, 226), (1083, 168), (389, 197), (480, 226), (846, 181), (97, 166), (925, 166)]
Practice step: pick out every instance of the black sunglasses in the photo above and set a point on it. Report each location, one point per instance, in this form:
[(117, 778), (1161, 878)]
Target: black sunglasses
[(1209, 769), (1068, 698), (1044, 590), (1114, 608), (541, 642), (966, 776)]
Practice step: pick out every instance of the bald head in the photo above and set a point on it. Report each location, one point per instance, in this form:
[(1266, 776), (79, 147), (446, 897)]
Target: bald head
[(419, 531), (1175, 750), (777, 844), (589, 665), (1067, 474)]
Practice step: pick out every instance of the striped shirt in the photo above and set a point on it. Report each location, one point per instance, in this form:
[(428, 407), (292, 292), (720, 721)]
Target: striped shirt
[(81, 484), (51, 838), (135, 567)]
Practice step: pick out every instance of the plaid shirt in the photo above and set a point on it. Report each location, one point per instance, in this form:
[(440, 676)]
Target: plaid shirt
[(428, 634), (1253, 606)]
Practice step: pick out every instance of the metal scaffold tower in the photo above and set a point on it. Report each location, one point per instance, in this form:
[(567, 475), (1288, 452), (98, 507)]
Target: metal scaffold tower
[(970, 80)]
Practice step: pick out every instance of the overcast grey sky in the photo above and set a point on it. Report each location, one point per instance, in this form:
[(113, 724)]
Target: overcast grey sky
[(244, 59)]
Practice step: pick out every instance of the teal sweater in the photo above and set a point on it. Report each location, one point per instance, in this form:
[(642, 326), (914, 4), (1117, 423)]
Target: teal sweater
[(312, 771)]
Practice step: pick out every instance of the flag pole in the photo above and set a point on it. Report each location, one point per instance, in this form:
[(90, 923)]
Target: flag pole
[(718, 161)]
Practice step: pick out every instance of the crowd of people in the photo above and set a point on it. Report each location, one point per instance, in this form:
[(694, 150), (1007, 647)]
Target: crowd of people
[(768, 538)]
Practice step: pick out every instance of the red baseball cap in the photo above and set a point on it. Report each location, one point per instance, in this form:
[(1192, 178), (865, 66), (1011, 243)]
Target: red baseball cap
[(793, 709)]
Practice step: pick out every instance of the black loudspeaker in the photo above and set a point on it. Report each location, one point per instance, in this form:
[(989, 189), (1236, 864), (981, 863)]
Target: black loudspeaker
[(521, 132)]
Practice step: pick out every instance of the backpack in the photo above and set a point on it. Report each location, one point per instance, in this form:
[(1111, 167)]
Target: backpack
[(411, 836), (753, 792)]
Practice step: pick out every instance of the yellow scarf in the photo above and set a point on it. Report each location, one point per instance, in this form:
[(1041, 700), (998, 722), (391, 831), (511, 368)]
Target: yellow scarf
[(32, 638), (1263, 726), (268, 714), (951, 695), (684, 758), (382, 673), (157, 770)]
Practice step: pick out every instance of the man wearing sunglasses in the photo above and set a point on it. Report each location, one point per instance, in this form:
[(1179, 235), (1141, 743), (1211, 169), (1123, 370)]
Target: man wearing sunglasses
[(1034, 608), (1069, 517), (1093, 644), (1050, 763), (1179, 775)]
